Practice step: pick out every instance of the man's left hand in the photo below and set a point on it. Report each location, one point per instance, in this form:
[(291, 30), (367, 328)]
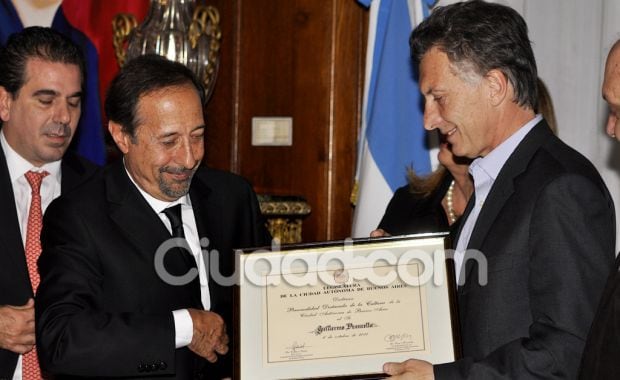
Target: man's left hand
[(411, 369)]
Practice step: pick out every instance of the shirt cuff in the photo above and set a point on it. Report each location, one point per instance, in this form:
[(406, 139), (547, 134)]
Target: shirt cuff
[(183, 328)]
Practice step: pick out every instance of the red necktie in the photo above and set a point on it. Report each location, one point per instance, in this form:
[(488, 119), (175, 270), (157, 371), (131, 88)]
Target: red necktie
[(31, 368)]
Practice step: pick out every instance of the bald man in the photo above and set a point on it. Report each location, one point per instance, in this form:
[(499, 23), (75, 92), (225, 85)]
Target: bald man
[(602, 350), (611, 90)]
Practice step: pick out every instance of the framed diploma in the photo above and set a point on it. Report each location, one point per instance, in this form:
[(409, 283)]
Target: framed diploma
[(341, 309)]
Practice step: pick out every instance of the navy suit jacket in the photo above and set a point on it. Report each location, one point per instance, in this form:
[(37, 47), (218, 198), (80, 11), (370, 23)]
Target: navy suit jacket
[(547, 230), (15, 287)]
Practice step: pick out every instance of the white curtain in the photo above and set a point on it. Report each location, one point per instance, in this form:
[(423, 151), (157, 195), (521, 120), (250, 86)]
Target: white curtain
[(571, 39)]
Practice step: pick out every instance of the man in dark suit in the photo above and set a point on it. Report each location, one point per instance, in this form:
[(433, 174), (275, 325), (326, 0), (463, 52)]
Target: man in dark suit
[(41, 81), (117, 297), (538, 236), (600, 356)]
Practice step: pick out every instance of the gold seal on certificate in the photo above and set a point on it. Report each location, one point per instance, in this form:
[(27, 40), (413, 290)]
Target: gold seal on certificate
[(343, 308)]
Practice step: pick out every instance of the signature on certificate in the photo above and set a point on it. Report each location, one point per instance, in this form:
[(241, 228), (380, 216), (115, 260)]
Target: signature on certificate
[(395, 338), (296, 347)]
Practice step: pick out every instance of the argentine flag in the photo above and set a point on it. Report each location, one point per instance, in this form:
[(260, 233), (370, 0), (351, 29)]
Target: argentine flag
[(392, 134)]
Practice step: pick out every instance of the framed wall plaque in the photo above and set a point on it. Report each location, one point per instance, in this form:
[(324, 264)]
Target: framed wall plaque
[(341, 309)]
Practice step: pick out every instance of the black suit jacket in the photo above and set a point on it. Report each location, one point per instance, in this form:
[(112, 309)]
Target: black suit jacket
[(600, 356), (547, 229), (102, 310), (15, 287)]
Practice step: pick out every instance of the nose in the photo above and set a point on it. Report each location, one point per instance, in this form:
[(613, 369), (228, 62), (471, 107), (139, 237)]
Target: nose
[(62, 114), (432, 118), (190, 153)]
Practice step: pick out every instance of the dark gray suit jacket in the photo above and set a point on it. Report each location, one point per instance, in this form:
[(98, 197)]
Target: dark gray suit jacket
[(547, 229), (15, 287), (102, 310)]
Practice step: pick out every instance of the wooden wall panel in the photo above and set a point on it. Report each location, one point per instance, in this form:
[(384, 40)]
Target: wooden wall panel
[(301, 59), (220, 115), (347, 89)]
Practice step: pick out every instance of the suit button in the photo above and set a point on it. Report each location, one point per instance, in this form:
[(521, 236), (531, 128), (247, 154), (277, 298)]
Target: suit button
[(153, 367), (162, 365), (141, 367)]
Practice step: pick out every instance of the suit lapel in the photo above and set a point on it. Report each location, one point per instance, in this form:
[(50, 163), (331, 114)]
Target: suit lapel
[(142, 226), (503, 187), (130, 211), (500, 192), (199, 194), (206, 217), (468, 208), (11, 244)]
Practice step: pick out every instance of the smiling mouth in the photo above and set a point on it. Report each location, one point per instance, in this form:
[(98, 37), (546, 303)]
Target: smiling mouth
[(450, 132), (444, 136), (178, 175)]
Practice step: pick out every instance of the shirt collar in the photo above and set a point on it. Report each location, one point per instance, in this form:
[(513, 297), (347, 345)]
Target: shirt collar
[(493, 162), (18, 166), (156, 204)]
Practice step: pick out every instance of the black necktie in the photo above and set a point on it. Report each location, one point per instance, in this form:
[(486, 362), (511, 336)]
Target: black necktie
[(176, 221)]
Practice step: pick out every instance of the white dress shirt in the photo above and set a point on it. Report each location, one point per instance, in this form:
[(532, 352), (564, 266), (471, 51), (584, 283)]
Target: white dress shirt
[(50, 190), (183, 326), (484, 171)]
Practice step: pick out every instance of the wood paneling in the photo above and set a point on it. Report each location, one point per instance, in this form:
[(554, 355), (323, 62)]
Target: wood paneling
[(301, 59)]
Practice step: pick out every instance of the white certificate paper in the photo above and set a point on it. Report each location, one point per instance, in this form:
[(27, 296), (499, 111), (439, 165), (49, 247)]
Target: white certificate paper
[(352, 318)]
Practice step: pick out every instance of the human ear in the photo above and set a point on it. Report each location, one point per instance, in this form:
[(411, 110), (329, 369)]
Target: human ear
[(498, 86), (6, 100), (121, 138)]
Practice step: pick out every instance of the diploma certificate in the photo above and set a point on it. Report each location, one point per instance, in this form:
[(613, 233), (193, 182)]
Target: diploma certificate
[(338, 310), (350, 319)]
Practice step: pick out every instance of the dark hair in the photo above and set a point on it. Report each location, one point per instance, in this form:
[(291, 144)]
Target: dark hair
[(482, 36), (141, 76), (35, 42)]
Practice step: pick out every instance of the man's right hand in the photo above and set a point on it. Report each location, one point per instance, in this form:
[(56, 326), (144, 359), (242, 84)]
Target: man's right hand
[(17, 327), (209, 335)]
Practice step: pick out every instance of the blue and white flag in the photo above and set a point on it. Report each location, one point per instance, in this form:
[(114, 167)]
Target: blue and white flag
[(392, 134)]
